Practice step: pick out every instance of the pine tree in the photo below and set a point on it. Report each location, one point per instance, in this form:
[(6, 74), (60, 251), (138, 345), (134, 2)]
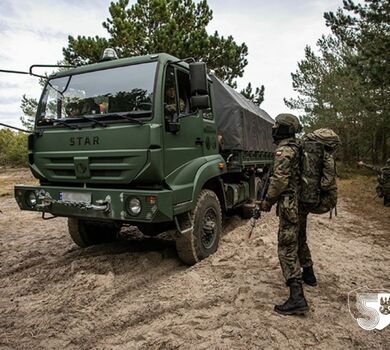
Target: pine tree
[(346, 84), (177, 27), (256, 97), (29, 107)]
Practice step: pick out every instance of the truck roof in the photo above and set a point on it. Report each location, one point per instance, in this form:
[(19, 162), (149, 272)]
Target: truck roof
[(161, 57)]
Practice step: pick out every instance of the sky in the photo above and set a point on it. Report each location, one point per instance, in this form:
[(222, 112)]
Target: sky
[(276, 33)]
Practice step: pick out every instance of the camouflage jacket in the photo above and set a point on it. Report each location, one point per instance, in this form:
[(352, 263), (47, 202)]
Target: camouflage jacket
[(171, 105), (285, 177), (383, 187)]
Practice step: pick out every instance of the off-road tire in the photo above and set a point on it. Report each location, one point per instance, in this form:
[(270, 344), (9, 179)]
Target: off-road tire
[(87, 233), (204, 238)]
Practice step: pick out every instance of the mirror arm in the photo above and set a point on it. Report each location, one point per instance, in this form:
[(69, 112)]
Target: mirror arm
[(180, 116)]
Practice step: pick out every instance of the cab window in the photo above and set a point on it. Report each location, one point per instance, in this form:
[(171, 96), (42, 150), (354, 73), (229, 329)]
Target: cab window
[(170, 100)]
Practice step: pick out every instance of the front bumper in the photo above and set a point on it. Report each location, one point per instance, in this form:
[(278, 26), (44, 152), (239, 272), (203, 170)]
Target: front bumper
[(105, 204)]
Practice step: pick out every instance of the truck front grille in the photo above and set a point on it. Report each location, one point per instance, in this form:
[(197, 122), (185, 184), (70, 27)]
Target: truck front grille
[(99, 168)]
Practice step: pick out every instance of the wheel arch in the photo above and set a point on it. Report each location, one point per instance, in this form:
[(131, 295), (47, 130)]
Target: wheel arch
[(209, 177), (215, 184)]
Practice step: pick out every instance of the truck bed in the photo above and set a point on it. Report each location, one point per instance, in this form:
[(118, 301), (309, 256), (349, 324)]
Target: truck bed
[(237, 160), (242, 124)]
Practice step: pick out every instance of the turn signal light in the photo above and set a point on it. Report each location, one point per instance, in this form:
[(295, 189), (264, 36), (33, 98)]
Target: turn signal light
[(221, 166), (151, 199)]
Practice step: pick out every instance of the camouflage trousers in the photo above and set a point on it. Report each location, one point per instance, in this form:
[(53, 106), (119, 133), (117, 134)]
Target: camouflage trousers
[(293, 251)]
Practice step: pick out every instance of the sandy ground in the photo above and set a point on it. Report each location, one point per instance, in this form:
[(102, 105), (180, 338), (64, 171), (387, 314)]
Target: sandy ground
[(136, 294)]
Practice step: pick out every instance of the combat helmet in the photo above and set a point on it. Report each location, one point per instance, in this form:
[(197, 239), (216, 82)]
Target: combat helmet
[(289, 120)]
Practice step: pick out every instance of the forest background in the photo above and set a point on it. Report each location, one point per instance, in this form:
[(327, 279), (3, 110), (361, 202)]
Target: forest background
[(343, 82)]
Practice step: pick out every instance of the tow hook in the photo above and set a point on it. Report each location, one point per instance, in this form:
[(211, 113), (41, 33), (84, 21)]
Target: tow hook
[(46, 200), (101, 205)]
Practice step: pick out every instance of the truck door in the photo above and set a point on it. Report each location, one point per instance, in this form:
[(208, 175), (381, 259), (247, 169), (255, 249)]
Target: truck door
[(210, 146), (187, 144)]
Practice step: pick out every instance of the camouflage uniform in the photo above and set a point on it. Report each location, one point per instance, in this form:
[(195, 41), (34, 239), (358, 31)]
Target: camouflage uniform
[(283, 189), (171, 105), (383, 187), (170, 99)]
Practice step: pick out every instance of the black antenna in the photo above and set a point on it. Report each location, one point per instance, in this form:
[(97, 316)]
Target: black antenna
[(47, 66), (30, 72), (14, 127), (13, 71)]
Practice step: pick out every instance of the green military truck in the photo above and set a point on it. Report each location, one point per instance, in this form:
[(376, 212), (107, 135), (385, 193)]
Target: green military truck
[(149, 141)]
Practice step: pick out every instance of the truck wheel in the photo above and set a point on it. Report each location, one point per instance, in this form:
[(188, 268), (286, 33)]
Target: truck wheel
[(204, 238), (87, 233)]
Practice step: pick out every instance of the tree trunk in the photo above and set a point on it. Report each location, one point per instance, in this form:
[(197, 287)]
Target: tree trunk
[(385, 147), (372, 147), (377, 145)]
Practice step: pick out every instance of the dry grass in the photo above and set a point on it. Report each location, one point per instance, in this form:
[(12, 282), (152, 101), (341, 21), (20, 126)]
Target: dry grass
[(359, 192), (12, 176)]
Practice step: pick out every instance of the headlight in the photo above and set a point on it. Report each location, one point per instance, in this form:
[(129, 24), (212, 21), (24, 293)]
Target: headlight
[(31, 198), (134, 206)]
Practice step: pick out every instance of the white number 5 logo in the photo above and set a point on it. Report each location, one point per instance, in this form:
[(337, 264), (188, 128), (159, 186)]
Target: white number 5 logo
[(372, 309)]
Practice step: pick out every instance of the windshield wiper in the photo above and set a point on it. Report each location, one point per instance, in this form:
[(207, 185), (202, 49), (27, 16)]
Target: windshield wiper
[(95, 121), (62, 122), (127, 115)]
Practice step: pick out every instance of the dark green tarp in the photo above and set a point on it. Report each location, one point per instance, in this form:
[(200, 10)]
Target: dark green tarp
[(242, 124)]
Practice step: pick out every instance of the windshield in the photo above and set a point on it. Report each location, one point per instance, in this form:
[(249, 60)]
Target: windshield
[(104, 94)]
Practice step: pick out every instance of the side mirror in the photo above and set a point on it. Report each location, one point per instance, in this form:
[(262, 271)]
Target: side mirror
[(200, 102), (199, 86), (198, 79)]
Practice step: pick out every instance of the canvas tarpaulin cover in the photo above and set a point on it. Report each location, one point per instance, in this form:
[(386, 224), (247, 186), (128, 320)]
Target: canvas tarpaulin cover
[(243, 125)]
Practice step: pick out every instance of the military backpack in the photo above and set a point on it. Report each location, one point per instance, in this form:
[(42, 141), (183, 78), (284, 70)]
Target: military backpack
[(318, 189)]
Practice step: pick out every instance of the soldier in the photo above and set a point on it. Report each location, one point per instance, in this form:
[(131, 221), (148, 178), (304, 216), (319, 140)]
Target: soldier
[(383, 187), (170, 101), (283, 190)]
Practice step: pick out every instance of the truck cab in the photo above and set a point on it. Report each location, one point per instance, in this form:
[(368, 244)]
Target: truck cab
[(131, 141)]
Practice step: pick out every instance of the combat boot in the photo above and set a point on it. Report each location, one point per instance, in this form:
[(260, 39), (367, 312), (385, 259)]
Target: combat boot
[(308, 276), (296, 304)]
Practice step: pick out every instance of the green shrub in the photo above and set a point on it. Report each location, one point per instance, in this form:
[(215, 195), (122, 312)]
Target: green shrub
[(13, 148)]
